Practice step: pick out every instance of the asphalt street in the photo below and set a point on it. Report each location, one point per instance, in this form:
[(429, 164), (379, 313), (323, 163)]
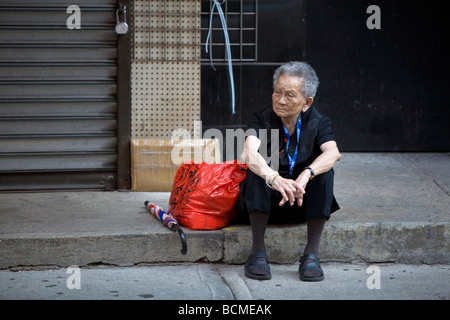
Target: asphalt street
[(205, 281)]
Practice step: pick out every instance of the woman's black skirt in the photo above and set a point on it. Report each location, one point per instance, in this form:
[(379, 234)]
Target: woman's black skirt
[(255, 195)]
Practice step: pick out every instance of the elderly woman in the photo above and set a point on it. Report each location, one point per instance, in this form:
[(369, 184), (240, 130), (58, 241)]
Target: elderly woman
[(301, 188)]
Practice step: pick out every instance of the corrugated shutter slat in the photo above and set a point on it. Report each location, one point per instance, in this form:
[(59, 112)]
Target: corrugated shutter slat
[(58, 96)]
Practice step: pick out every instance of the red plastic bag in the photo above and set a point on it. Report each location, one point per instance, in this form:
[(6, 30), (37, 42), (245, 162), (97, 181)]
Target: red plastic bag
[(204, 194)]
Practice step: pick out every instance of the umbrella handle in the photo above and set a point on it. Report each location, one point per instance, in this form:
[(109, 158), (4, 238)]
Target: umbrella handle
[(176, 227)]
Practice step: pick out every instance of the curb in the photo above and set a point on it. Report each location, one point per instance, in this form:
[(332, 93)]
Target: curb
[(410, 243)]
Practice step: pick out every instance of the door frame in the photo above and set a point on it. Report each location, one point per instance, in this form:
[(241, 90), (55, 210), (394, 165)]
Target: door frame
[(124, 103)]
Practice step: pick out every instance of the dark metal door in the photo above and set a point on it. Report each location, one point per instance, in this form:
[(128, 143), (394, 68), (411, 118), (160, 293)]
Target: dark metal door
[(64, 96)]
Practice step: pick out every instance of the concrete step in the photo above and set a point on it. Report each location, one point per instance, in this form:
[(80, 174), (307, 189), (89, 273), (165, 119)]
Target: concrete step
[(394, 208)]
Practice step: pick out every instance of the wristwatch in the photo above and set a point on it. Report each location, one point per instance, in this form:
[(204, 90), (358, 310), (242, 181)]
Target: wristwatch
[(312, 172)]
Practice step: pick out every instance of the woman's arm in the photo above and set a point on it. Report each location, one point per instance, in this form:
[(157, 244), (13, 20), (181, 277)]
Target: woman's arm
[(255, 162), (323, 163), (289, 189), (330, 155)]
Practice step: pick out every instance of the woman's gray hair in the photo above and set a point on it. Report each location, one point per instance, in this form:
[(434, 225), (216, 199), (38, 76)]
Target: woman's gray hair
[(300, 70)]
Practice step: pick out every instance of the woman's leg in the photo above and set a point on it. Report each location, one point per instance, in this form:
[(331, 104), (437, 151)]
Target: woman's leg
[(258, 224), (314, 230), (254, 203), (319, 203)]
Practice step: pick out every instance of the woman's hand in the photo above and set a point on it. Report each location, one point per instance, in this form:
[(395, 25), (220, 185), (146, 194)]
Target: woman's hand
[(289, 189), (302, 181)]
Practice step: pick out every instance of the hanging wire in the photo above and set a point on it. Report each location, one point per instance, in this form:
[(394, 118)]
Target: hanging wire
[(217, 5)]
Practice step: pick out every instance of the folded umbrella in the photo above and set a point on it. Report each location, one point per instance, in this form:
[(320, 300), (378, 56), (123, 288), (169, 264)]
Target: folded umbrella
[(167, 219)]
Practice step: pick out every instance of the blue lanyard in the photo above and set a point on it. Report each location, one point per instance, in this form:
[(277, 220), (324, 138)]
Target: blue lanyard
[(293, 159)]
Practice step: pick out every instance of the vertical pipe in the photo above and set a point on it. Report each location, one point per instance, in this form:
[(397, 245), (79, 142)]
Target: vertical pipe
[(256, 30), (164, 28)]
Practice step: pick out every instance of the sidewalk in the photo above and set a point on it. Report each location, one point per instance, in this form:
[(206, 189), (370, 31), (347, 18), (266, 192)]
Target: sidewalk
[(204, 282), (395, 207)]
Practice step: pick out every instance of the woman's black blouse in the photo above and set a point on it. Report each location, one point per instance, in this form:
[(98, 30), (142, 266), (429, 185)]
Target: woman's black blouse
[(315, 131)]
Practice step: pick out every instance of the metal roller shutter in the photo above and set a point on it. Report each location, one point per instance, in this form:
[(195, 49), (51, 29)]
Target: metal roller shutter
[(58, 96)]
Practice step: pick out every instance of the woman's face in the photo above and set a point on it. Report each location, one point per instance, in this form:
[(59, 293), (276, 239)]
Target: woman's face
[(287, 99)]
